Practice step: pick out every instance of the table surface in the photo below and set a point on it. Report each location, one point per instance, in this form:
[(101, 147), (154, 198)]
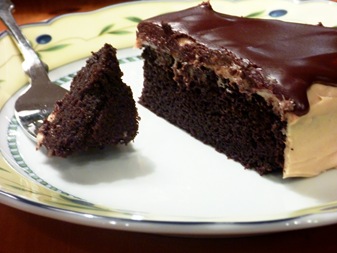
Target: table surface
[(25, 232)]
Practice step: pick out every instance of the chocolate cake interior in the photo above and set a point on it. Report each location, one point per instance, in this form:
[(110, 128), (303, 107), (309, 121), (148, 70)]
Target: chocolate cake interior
[(242, 126), (99, 110)]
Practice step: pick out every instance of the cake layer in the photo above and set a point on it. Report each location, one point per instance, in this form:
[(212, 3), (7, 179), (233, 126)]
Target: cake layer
[(222, 117), (98, 110), (245, 86)]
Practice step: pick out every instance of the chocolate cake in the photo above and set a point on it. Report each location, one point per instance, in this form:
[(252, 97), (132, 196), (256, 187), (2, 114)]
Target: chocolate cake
[(263, 92), (98, 110)]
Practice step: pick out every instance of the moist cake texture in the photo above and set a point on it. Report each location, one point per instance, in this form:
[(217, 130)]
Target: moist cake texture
[(98, 110), (261, 91)]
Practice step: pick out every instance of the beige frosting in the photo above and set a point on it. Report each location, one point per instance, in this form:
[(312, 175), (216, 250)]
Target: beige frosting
[(311, 146)]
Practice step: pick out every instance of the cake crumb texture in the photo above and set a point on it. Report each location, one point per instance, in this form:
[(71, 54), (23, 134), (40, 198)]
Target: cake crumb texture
[(98, 110)]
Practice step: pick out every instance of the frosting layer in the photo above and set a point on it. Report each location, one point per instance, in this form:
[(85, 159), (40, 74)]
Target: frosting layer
[(287, 71), (311, 147)]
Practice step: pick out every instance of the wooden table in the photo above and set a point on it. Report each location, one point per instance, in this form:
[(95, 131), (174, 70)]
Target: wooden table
[(25, 232)]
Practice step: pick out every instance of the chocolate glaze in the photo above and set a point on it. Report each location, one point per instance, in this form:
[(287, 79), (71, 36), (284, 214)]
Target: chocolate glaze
[(292, 56)]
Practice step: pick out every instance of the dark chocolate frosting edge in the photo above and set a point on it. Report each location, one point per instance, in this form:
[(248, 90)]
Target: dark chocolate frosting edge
[(291, 56)]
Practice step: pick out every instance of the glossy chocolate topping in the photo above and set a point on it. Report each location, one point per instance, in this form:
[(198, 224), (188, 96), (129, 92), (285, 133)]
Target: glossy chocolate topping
[(295, 55)]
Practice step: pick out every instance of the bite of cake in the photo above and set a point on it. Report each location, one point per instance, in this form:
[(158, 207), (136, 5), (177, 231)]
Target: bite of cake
[(98, 110), (263, 92)]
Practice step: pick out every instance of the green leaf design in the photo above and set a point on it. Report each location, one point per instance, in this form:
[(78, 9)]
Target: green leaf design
[(134, 19), (2, 169), (83, 204), (119, 32), (255, 14), (20, 188), (77, 201), (54, 48), (105, 29)]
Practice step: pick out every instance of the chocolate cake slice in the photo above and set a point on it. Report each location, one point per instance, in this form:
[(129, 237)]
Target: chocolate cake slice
[(261, 91), (98, 110)]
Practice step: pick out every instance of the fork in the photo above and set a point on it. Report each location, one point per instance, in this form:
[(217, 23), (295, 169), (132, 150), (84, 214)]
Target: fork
[(32, 107)]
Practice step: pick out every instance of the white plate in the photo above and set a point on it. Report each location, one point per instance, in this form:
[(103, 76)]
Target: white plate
[(165, 181)]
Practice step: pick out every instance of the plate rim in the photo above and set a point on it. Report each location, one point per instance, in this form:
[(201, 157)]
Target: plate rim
[(178, 228)]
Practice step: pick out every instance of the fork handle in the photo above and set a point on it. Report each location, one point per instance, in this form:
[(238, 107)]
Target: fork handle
[(32, 64)]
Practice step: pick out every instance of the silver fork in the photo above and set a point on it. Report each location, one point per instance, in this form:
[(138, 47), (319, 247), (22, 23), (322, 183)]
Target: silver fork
[(32, 107)]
